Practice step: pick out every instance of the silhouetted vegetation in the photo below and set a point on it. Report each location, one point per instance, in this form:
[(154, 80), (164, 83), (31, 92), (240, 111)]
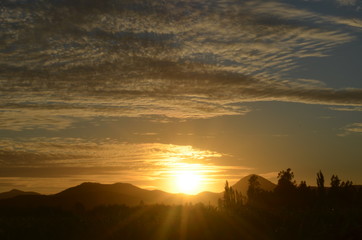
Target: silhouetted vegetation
[(232, 200), (291, 211)]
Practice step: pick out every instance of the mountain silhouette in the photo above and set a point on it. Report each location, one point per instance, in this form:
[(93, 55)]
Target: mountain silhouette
[(93, 194), (89, 195), (243, 184), (16, 192)]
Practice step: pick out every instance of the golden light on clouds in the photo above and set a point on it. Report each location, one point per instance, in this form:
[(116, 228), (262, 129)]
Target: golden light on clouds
[(169, 167)]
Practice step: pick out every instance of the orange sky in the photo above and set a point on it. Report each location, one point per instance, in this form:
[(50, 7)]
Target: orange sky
[(120, 91)]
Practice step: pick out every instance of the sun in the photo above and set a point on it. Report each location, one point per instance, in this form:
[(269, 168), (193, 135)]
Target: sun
[(188, 182)]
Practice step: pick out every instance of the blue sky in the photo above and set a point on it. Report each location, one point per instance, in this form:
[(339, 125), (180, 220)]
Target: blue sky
[(135, 91)]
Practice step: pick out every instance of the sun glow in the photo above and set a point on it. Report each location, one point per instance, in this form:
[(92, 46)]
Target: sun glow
[(188, 182), (184, 169)]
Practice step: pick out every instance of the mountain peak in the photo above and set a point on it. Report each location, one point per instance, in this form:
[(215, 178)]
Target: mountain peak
[(243, 184), (15, 191)]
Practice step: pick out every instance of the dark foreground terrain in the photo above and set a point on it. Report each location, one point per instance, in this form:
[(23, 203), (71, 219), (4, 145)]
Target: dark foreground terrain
[(290, 211), (179, 222)]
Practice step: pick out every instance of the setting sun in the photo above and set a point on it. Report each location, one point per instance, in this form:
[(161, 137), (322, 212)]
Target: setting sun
[(188, 182)]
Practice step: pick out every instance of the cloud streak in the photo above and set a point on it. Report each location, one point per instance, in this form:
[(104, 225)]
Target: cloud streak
[(354, 128)]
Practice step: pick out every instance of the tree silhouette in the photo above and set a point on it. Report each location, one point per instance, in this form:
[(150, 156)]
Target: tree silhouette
[(335, 182), (232, 200), (320, 182), (253, 189), (286, 190), (303, 188), (340, 191), (286, 183), (347, 184)]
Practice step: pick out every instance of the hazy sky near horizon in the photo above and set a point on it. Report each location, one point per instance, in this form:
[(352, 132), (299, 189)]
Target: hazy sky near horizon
[(138, 91)]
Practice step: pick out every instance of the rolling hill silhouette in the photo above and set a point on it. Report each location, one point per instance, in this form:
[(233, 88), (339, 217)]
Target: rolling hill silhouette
[(16, 192), (90, 195)]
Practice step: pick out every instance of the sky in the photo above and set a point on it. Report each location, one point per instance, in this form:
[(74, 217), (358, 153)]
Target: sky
[(143, 91)]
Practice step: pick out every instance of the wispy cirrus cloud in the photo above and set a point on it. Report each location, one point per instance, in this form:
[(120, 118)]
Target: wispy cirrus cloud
[(347, 2), (354, 128), (28, 119), (347, 109), (179, 59)]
